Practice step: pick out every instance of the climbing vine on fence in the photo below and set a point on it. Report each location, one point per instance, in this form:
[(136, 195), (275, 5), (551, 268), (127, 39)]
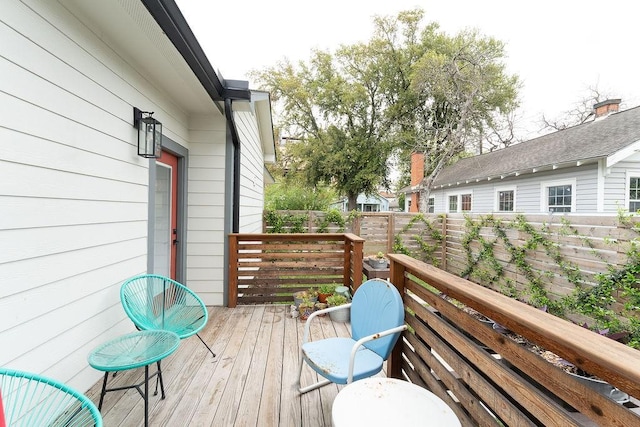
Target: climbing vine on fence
[(595, 299), (428, 238), (331, 217), (282, 222), (495, 248), (285, 222)]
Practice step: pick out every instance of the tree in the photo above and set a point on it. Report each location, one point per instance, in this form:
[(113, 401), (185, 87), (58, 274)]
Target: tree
[(464, 92), (332, 106), (580, 113), (406, 89)]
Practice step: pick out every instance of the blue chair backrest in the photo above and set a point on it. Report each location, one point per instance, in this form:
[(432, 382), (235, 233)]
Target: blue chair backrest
[(377, 306)]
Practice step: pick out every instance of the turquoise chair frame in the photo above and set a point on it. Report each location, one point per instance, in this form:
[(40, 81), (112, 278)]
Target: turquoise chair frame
[(33, 400), (377, 320), (155, 302)]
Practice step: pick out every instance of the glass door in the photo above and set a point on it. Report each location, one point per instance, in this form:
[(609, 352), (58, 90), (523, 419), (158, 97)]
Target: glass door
[(165, 237)]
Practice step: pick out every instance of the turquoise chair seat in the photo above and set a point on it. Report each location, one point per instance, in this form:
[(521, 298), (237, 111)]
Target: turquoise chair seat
[(32, 400), (155, 302), (377, 320)]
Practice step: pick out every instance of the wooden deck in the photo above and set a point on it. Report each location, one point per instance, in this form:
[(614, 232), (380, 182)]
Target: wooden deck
[(250, 382)]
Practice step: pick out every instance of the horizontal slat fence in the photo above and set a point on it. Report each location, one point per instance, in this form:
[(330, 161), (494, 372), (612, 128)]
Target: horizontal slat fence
[(269, 268), (490, 379), (589, 245), (594, 245)]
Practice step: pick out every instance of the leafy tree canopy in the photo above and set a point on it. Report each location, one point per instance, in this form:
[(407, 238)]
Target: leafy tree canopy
[(408, 88)]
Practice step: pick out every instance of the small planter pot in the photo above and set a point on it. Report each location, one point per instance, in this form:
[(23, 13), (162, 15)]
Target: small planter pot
[(298, 297), (321, 306), (305, 311), (378, 263), (603, 387), (322, 298), (340, 315)]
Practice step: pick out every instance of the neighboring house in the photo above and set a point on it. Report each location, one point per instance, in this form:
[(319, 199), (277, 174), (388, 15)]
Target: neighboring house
[(589, 168), (80, 211), (364, 203)]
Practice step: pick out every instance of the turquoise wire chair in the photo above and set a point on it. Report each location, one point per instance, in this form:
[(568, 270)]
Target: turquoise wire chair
[(32, 400), (377, 320), (157, 302)]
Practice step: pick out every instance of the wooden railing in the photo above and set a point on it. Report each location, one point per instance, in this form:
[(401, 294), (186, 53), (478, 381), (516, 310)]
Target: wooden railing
[(268, 268), (489, 378)]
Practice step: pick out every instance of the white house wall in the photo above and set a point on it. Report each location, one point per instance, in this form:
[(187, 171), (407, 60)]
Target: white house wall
[(74, 193), (205, 199), (251, 170), (615, 179), (528, 190)]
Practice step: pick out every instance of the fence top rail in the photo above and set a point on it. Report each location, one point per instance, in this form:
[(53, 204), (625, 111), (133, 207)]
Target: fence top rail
[(298, 236), (615, 362)]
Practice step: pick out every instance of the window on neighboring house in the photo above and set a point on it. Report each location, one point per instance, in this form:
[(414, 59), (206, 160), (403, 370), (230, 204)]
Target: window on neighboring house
[(506, 200), (453, 203), (465, 202), (634, 194), (559, 198), (431, 206), (460, 202)]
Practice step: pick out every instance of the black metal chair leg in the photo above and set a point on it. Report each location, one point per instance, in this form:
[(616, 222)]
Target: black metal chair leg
[(104, 390), (205, 344), (160, 380), (146, 396)]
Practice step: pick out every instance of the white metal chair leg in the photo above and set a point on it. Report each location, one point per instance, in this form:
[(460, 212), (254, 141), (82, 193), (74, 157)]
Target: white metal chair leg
[(314, 386), (303, 390)]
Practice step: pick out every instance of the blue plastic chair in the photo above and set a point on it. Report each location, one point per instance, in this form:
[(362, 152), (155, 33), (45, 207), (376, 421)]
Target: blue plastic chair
[(33, 400), (155, 302), (377, 319)]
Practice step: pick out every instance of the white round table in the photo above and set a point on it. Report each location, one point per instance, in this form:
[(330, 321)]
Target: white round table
[(380, 401)]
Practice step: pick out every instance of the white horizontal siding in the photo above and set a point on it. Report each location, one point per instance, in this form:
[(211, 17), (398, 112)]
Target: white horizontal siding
[(528, 190), (73, 192), (615, 191), (252, 173), (206, 195)]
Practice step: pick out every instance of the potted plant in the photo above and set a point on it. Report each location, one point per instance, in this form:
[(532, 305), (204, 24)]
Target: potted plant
[(306, 307), (324, 291), (379, 261), (337, 300), (311, 294), (321, 306)]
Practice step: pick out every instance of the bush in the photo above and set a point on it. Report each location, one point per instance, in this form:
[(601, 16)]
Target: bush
[(287, 196)]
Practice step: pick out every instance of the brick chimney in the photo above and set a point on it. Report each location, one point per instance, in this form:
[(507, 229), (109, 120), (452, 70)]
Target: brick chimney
[(607, 107), (417, 168), (417, 175)]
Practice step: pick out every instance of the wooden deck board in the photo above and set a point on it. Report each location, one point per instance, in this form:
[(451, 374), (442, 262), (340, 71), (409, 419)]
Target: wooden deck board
[(252, 381)]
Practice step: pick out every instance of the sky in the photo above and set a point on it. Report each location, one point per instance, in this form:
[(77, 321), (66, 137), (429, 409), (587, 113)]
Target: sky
[(559, 49)]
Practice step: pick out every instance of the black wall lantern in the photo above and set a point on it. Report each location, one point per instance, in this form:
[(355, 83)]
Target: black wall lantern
[(149, 133)]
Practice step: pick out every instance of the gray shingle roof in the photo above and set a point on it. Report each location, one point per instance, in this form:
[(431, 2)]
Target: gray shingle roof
[(582, 143)]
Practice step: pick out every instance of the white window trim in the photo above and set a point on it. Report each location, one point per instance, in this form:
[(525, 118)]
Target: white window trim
[(458, 194), (627, 185), (496, 198), (434, 203), (544, 193)]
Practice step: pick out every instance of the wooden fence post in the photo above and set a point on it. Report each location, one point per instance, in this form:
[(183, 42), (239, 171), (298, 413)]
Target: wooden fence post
[(444, 241), (353, 259), (391, 231), (232, 299), (394, 362)]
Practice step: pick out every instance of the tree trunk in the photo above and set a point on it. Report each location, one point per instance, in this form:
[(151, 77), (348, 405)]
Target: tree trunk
[(353, 201)]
